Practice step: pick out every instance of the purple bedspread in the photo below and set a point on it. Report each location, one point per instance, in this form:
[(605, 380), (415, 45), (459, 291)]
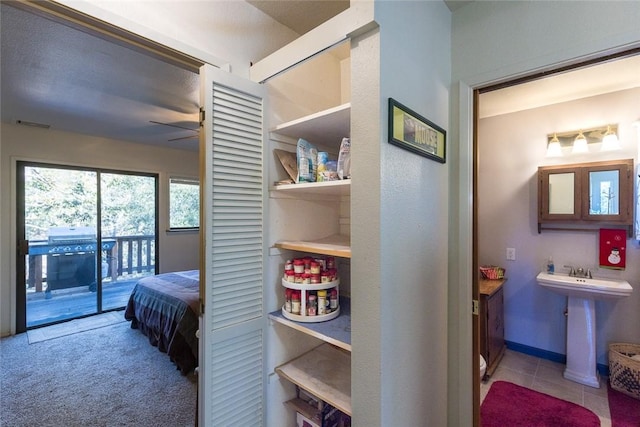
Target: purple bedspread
[(165, 308)]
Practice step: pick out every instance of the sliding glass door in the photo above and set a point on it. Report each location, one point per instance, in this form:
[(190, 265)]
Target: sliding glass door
[(85, 236), (128, 229)]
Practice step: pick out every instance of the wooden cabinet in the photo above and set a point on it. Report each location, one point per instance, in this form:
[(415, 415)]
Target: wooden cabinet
[(586, 193), (492, 345)]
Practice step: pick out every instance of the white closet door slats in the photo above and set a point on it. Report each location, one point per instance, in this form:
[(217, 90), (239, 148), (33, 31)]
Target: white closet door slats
[(237, 144), (238, 177), (234, 218), (240, 359)]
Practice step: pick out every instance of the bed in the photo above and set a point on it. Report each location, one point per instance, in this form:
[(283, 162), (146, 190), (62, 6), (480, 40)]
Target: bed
[(165, 309)]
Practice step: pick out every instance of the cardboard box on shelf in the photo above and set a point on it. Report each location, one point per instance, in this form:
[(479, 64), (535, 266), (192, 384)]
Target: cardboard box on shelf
[(302, 421)]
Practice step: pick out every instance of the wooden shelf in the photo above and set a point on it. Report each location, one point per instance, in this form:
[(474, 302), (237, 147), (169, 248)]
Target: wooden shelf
[(325, 372), (336, 331), (326, 127), (336, 245), (311, 189)]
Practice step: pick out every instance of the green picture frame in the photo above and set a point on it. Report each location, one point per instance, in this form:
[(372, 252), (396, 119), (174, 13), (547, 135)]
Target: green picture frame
[(411, 131)]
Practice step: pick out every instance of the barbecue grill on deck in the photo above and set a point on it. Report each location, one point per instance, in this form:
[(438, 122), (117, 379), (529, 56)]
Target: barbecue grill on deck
[(71, 259)]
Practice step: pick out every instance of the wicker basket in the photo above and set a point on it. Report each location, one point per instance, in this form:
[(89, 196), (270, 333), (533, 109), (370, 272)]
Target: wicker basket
[(492, 272), (624, 372)]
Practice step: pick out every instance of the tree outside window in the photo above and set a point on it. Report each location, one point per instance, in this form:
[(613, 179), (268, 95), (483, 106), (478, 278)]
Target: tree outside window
[(184, 203)]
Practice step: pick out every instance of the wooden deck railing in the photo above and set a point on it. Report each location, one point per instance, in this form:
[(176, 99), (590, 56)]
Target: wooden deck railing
[(135, 254)]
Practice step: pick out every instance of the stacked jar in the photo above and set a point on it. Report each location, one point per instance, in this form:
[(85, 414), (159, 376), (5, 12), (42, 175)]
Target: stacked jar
[(309, 270), (311, 289)]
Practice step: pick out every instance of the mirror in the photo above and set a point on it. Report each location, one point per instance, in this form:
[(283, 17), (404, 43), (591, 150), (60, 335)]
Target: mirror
[(590, 194), (561, 193), (604, 188)]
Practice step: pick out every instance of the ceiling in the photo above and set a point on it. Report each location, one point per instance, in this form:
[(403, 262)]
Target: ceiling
[(581, 83), (301, 16), (72, 81)]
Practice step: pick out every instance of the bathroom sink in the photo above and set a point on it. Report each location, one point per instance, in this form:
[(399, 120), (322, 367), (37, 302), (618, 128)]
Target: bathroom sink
[(582, 293), (584, 287)]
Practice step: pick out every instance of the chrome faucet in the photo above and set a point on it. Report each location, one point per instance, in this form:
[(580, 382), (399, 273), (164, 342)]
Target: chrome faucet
[(572, 271), (579, 272)]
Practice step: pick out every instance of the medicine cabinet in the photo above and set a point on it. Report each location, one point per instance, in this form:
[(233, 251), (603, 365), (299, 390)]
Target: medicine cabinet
[(586, 193)]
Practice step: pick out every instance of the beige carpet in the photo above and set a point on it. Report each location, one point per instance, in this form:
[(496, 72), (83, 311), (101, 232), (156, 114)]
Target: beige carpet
[(103, 377), (75, 326)]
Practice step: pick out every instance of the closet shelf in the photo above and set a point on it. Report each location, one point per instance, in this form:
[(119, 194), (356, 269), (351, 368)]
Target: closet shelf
[(325, 372), (325, 127), (311, 189), (336, 245), (336, 331)]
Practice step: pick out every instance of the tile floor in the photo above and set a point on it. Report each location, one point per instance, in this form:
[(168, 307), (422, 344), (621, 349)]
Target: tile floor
[(546, 377)]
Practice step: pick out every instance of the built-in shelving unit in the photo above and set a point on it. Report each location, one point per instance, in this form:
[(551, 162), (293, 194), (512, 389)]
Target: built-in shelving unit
[(336, 245), (336, 331), (332, 124), (324, 372), (310, 189)]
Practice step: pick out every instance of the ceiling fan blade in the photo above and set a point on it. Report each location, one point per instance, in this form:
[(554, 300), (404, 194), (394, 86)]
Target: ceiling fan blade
[(184, 137), (174, 126)]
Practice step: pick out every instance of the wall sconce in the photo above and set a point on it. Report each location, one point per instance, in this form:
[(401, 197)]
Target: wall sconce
[(580, 141)]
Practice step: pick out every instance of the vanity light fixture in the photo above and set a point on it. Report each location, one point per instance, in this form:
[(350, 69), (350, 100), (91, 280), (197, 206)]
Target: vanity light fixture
[(580, 144), (610, 141), (554, 149), (572, 142)]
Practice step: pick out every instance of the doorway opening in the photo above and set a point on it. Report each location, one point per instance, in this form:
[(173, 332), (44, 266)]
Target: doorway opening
[(86, 236), (504, 160)]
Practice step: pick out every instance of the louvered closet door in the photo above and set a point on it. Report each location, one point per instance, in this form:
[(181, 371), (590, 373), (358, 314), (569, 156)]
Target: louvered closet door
[(231, 374)]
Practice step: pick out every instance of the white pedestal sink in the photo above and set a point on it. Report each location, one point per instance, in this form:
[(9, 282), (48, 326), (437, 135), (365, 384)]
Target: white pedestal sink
[(581, 320)]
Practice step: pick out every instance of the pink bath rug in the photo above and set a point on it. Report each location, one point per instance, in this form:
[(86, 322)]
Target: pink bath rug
[(625, 410), (510, 405)]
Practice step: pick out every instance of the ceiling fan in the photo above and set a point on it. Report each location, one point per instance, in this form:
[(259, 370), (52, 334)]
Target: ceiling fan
[(195, 135)]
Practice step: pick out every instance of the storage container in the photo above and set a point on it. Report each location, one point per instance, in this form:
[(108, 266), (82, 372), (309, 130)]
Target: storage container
[(624, 372)]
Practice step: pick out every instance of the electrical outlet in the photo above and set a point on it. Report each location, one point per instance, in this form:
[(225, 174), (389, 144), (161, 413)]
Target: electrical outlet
[(511, 254)]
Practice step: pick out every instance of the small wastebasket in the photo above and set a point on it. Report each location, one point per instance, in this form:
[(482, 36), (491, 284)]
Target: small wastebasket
[(624, 368)]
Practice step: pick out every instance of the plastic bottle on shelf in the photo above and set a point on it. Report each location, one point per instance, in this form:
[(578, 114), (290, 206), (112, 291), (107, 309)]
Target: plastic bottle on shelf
[(295, 302), (322, 302), (333, 299), (287, 300), (550, 266), (312, 306)]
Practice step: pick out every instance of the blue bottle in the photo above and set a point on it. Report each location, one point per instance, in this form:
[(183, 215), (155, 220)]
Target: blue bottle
[(550, 267)]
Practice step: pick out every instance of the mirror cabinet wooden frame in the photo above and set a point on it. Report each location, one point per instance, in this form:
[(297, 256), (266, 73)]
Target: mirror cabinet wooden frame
[(581, 199)]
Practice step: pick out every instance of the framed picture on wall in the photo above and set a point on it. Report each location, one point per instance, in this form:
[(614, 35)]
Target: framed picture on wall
[(411, 131)]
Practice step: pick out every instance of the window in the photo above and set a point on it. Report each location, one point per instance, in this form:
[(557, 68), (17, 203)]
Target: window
[(184, 203)]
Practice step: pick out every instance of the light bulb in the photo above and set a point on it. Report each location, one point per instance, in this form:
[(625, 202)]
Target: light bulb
[(553, 148), (610, 141), (580, 144)]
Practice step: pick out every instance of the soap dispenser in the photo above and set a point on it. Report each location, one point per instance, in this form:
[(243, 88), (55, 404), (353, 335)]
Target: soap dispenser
[(550, 267)]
